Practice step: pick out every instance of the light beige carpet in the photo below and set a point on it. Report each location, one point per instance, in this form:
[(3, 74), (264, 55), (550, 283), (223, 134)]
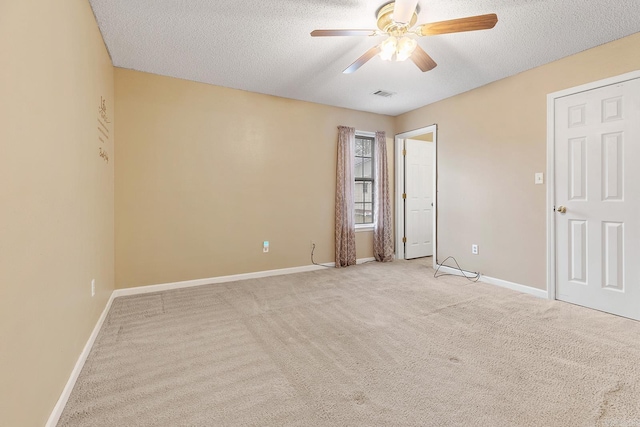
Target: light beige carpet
[(370, 345)]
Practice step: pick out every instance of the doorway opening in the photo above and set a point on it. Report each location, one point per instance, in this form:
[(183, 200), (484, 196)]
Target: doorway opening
[(416, 193)]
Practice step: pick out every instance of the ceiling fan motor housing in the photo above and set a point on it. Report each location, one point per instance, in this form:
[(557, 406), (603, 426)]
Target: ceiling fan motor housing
[(388, 25)]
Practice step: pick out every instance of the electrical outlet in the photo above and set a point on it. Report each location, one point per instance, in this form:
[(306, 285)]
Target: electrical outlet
[(265, 246), (474, 249), (93, 287)]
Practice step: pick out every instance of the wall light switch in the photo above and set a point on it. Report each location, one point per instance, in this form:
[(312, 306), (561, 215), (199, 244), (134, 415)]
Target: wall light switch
[(539, 178), (265, 246)]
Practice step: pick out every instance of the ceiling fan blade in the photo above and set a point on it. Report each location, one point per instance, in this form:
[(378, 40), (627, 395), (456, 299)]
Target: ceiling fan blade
[(472, 23), (403, 10), (423, 60), (329, 33), (362, 60)]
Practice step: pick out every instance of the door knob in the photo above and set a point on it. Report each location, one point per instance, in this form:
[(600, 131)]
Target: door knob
[(561, 209)]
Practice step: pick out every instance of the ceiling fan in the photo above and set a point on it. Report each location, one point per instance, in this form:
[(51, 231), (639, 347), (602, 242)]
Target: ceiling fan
[(396, 20)]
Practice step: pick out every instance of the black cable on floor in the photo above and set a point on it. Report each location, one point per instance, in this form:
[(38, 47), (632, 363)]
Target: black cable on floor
[(472, 279), (313, 248)]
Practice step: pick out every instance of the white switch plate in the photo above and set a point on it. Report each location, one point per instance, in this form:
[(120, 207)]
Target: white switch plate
[(539, 178), (474, 249)]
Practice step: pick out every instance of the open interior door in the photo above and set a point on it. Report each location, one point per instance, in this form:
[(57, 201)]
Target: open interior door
[(419, 164)]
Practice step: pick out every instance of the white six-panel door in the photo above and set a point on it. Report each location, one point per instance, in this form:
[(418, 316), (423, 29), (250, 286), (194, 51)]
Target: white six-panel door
[(597, 198), (419, 164)]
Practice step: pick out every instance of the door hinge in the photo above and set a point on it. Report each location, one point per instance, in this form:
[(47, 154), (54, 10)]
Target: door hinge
[(404, 240), (404, 152), (404, 195)]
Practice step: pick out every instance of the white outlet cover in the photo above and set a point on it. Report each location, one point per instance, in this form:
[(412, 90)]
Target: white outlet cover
[(539, 178)]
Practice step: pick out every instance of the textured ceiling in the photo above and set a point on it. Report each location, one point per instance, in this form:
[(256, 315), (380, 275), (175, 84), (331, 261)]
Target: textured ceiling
[(264, 45)]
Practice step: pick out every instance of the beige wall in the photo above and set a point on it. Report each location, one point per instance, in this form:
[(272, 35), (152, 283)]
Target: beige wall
[(56, 220), (491, 141), (205, 174)]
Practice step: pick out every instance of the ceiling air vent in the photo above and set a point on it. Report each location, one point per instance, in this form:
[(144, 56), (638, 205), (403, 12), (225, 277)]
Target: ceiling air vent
[(383, 93)]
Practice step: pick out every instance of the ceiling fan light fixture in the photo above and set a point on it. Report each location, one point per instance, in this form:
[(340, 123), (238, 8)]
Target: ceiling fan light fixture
[(398, 49), (406, 46), (388, 48)]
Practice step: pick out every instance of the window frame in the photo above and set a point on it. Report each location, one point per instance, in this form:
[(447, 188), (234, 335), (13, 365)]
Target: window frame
[(366, 226)]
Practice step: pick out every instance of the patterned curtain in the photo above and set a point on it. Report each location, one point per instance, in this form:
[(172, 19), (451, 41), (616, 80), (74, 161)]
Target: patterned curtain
[(345, 215), (382, 228)]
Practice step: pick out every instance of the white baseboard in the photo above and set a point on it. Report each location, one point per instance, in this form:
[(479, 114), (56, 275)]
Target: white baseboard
[(540, 293), (66, 392), (223, 279)]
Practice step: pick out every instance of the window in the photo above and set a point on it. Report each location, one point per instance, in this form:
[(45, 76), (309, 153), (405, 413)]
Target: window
[(363, 195)]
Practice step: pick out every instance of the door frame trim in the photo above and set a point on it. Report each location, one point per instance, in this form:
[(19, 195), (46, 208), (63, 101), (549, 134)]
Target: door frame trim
[(551, 113), (399, 184)]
